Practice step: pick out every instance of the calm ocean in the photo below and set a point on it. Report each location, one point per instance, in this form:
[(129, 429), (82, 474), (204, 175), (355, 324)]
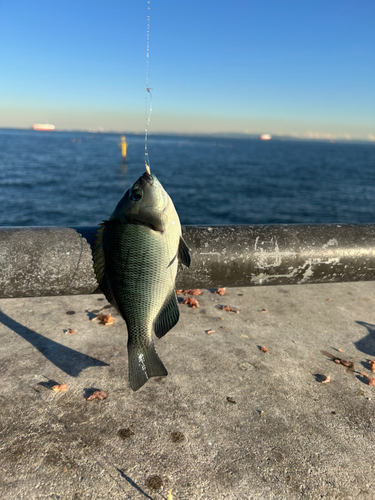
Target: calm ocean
[(76, 178)]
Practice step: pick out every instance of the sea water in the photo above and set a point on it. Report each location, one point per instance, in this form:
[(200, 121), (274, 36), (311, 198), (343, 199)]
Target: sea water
[(76, 178)]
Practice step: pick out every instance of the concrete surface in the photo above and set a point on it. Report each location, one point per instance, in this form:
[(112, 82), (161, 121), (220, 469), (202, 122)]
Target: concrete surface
[(282, 434)]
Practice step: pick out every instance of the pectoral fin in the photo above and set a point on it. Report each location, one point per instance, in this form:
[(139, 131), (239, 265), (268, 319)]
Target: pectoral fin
[(184, 253), (168, 316)]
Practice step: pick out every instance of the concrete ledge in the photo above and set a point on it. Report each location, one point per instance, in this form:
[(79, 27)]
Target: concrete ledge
[(49, 261), (282, 434)]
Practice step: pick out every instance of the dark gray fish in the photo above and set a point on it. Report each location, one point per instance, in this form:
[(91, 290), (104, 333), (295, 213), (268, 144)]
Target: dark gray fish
[(136, 258)]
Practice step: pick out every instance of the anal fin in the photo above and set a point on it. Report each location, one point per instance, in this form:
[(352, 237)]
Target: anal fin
[(168, 316)]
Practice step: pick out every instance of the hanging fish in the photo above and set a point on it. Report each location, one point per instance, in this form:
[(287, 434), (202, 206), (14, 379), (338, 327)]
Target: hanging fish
[(136, 257)]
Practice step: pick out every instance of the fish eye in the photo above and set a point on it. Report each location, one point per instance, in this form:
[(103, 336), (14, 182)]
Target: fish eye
[(136, 195)]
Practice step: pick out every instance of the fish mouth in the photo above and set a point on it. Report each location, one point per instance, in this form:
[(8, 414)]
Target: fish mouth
[(148, 178)]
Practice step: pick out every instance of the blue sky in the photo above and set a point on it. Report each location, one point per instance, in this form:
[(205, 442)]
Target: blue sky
[(305, 68)]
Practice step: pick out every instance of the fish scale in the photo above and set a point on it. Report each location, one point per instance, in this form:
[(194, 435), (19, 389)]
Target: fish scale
[(136, 258), (143, 274)]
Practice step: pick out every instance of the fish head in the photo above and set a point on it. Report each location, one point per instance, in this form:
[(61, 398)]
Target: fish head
[(146, 203)]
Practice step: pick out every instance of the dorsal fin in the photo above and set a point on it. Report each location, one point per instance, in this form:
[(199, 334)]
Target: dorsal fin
[(99, 262), (168, 316)]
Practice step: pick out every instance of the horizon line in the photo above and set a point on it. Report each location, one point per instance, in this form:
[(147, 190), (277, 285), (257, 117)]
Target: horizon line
[(310, 136)]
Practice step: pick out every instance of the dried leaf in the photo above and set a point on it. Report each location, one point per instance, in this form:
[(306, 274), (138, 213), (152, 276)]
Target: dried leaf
[(210, 331), (60, 388), (371, 381), (192, 291), (193, 303), (228, 309), (97, 395), (71, 332), (339, 361), (264, 311), (327, 380), (221, 291), (263, 349), (372, 365), (105, 319), (346, 363)]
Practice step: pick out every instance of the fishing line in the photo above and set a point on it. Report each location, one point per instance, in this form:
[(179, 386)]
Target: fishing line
[(148, 90)]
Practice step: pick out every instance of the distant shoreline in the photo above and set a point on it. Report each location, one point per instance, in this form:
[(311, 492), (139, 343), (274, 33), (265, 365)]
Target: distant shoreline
[(214, 135)]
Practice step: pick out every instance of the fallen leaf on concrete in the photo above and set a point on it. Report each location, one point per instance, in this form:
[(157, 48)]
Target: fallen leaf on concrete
[(228, 309), (328, 300), (371, 381), (71, 332), (339, 361), (221, 291), (372, 365), (263, 349), (327, 380), (105, 319), (210, 331), (345, 362), (193, 303), (264, 310), (97, 395), (60, 388), (192, 291)]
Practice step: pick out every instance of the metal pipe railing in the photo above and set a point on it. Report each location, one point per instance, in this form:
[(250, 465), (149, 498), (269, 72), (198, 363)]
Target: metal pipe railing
[(43, 261)]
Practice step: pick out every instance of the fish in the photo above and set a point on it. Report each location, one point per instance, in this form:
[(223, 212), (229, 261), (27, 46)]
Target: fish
[(136, 256)]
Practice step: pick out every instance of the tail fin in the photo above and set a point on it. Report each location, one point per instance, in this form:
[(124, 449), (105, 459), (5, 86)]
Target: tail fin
[(144, 363)]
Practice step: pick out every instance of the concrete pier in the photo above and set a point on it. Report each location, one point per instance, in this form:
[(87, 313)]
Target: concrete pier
[(229, 422)]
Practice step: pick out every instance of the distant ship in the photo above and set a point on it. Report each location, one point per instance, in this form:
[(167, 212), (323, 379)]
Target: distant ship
[(265, 137), (43, 126)]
